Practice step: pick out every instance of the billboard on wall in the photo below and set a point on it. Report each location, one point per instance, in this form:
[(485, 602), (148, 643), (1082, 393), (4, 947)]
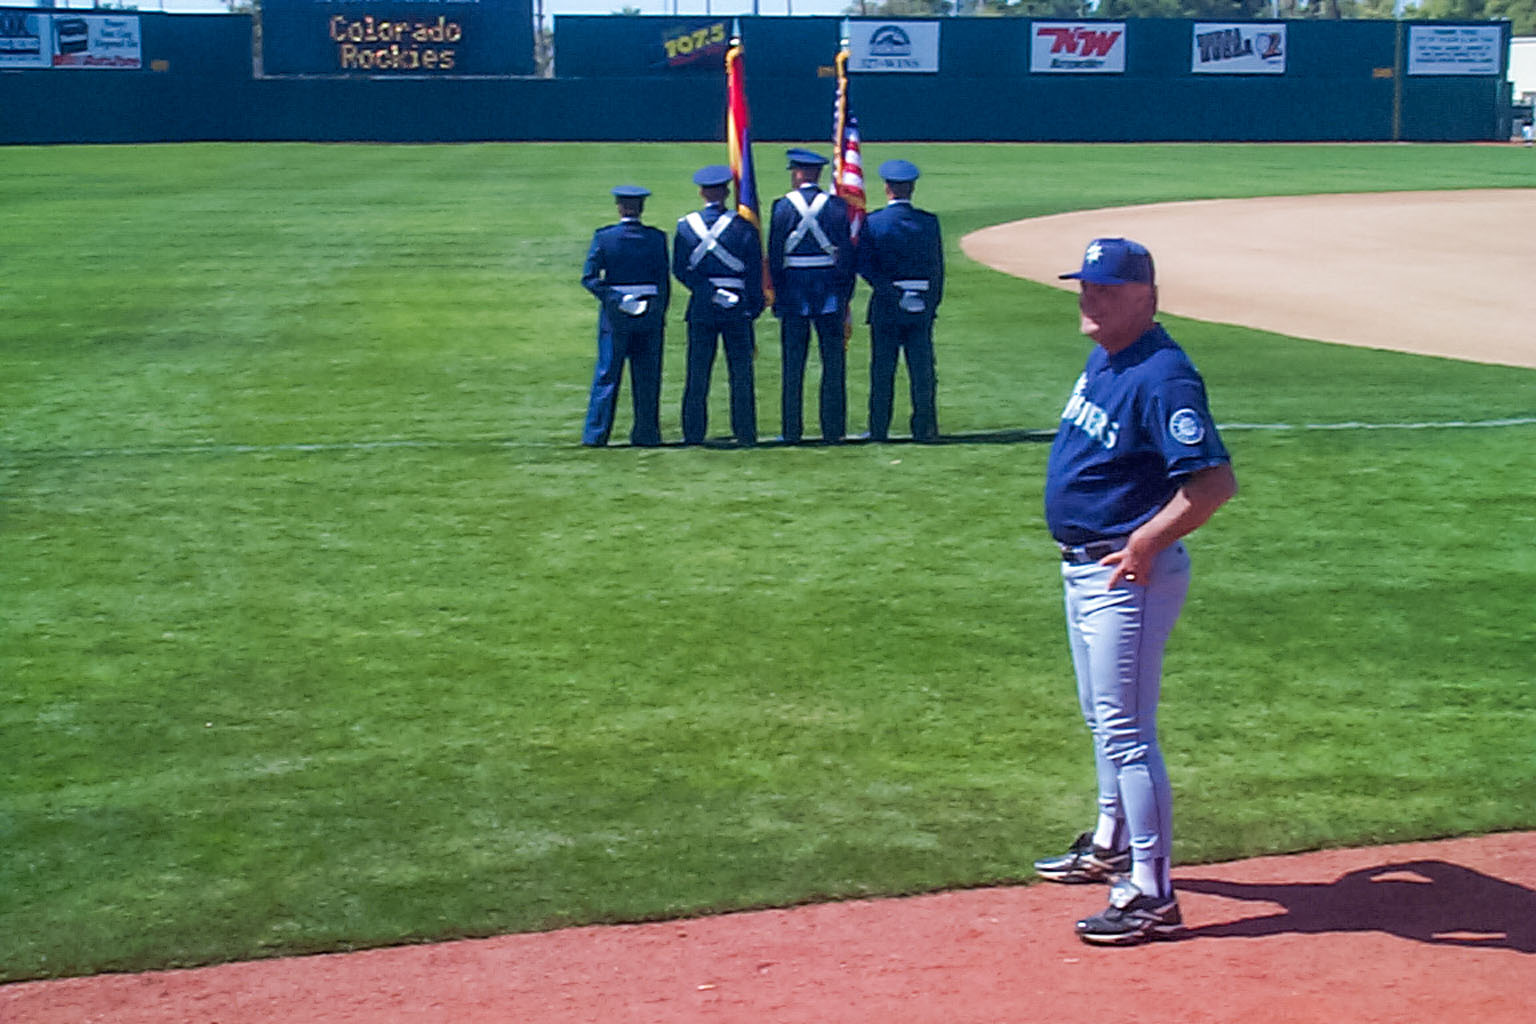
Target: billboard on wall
[(700, 44), (893, 46), (397, 38), (1453, 49), (1238, 48), (94, 41), (26, 39), (1077, 47)]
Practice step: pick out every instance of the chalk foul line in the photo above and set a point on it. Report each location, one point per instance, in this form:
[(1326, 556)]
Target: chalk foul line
[(511, 444)]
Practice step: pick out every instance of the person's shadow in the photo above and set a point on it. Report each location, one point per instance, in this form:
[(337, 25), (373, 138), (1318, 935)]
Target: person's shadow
[(1425, 900)]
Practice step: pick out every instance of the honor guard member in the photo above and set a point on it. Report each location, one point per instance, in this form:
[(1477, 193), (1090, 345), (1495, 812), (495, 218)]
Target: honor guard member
[(1136, 465), (810, 260), (627, 270), (901, 255), (718, 256)]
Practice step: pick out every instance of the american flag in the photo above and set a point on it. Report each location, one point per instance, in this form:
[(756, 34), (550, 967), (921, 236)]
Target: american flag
[(847, 163)]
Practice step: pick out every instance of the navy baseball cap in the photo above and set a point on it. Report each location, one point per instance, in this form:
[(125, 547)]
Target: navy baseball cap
[(1115, 261), (712, 176), (805, 158), (899, 171), (630, 192)]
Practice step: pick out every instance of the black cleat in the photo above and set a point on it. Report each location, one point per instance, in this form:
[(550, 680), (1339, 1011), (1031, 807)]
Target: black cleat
[(1084, 862), (1132, 918)]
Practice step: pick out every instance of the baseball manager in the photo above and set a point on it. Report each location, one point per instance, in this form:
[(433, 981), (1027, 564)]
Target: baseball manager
[(1136, 465)]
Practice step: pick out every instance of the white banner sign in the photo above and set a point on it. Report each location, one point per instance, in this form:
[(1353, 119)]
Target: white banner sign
[(1241, 48), (1076, 47), (26, 40), (893, 46), (96, 41), (1453, 50)]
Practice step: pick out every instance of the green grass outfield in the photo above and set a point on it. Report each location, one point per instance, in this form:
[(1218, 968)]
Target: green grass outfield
[(319, 631)]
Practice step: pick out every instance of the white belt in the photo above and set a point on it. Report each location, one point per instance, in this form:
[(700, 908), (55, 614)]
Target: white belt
[(809, 261), (911, 286), (633, 298), (729, 282)]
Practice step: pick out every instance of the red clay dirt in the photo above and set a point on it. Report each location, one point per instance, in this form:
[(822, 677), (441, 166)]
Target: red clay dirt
[(1420, 933)]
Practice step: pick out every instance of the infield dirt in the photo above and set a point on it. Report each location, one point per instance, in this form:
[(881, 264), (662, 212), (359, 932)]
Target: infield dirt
[(1436, 273), (1415, 934)]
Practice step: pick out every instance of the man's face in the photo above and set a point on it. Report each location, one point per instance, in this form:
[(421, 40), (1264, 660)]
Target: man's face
[(1115, 315)]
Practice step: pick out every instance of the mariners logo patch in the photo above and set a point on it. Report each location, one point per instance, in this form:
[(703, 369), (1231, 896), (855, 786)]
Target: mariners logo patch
[(1186, 426)]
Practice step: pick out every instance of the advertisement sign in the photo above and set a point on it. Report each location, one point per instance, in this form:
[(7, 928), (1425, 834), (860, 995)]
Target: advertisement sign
[(1241, 48), (700, 44), (396, 38), (1077, 47), (96, 41), (893, 46), (26, 40), (1453, 50)]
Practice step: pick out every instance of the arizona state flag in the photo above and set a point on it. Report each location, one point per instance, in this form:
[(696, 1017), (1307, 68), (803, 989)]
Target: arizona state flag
[(738, 139)]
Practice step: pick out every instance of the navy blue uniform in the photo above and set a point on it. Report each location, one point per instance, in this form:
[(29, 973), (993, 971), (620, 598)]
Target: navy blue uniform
[(627, 259), (901, 255), (813, 275), (1136, 427), (722, 266)]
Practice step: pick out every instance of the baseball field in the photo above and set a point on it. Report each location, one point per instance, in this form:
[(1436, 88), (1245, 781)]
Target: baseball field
[(319, 631)]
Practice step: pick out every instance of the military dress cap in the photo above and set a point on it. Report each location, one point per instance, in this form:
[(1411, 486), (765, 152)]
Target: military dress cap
[(1115, 261), (712, 176), (805, 158), (899, 171), (630, 192)]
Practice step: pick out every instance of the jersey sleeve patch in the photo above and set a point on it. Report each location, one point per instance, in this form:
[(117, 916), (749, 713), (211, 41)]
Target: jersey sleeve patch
[(1186, 426)]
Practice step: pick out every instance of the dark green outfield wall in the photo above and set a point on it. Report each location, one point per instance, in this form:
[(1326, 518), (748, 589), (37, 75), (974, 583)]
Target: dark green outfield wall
[(614, 84)]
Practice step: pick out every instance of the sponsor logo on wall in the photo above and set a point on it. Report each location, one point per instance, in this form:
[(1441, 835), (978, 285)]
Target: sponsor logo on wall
[(1453, 50), (25, 40), (1243, 48), (893, 46), (96, 41), (1077, 47), (92, 41), (696, 44)]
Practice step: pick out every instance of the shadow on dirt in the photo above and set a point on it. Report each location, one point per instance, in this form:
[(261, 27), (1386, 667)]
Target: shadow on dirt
[(1425, 900)]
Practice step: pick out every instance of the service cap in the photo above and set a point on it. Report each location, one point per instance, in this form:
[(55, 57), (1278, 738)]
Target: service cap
[(899, 171), (1115, 261), (805, 158), (712, 176), (630, 192)]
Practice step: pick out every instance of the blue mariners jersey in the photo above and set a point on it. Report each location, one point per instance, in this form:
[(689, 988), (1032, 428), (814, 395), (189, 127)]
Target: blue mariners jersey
[(1136, 426)]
